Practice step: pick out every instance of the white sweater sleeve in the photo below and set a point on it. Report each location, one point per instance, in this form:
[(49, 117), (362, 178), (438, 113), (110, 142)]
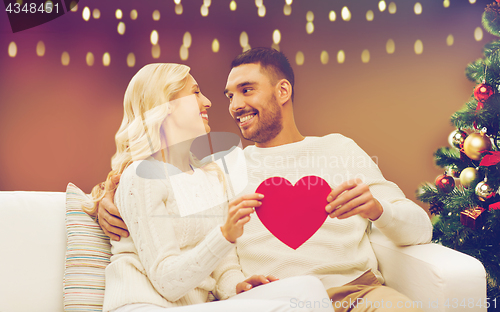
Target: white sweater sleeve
[(227, 275), (173, 273), (402, 221)]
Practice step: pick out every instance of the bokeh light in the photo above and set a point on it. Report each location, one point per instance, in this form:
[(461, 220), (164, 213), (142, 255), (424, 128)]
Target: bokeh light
[(186, 40), (472, 1), (332, 16), (86, 14), (365, 56), (178, 9), (299, 58), (232, 5), (390, 46), (478, 34), (155, 51), (215, 45), (40, 48), (74, 6), (133, 15), (96, 14), (156, 15), (106, 59), (446, 3), (261, 11), (369, 15), (418, 8), (154, 37), (65, 58), (12, 49), (419, 47), (89, 58), (184, 53), (121, 28), (243, 39), (118, 14), (131, 60), (324, 57), (346, 14), (382, 5), (392, 8), (287, 9), (204, 10), (341, 57), (309, 27), (276, 36), (450, 40), (309, 16)]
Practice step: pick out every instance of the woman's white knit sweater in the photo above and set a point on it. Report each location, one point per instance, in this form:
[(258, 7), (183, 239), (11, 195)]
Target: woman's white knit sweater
[(169, 260)]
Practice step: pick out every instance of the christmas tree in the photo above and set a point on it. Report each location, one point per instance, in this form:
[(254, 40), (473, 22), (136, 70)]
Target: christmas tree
[(467, 212)]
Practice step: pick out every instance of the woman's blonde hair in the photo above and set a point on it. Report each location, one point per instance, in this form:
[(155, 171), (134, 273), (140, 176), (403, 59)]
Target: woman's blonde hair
[(145, 106)]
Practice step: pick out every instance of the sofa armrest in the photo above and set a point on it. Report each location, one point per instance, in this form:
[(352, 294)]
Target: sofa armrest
[(440, 278)]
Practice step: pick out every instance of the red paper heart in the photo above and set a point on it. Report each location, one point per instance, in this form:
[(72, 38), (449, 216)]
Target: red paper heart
[(293, 213)]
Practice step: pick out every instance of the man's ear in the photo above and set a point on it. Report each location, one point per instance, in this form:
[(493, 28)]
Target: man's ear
[(284, 91)]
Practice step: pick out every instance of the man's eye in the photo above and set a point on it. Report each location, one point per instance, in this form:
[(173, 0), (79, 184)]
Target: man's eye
[(246, 90)]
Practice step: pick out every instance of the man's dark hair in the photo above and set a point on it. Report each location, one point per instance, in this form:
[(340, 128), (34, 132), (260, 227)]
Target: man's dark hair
[(271, 60)]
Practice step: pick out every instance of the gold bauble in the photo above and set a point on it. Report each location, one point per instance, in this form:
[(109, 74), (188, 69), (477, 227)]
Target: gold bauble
[(484, 191), (474, 144), (467, 176)]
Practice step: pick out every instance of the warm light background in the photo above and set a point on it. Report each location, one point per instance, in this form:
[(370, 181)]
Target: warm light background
[(57, 123)]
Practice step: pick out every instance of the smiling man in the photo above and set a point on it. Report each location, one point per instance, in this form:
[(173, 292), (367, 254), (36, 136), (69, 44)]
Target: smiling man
[(260, 90)]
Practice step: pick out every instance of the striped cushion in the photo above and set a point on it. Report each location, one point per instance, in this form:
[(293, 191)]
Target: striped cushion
[(87, 254)]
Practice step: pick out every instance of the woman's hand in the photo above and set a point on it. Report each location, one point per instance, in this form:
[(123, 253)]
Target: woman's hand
[(109, 217), (253, 281), (239, 214)]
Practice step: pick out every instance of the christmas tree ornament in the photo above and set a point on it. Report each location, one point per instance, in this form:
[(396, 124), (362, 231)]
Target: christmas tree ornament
[(436, 207), (457, 138), (445, 183), (476, 143), (473, 218), (453, 171), (484, 191), (483, 92), (467, 176)]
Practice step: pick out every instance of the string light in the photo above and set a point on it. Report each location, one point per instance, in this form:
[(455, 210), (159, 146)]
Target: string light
[(332, 16), (121, 28), (341, 57), (74, 6), (215, 45), (261, 11), (154, 37), (324, 57), (156, 15), (346, 14), (204, 10), (478, 34), (418, 8), (369, 15), (186, 40), (118, 14), (450, 40), (131, 60), (392, 8), (309, 27), (12, 49), (243, 39), (96, 14), (133, 15), (276, 36), (178, 9), (184, 53), (381, 5), (365, 56), (106, 59), (40, 48), (86, 14), (232, 5), (287, 9), (419, 47), (65, 58), (155, 51), (89, 59), (299, 58), (390, 46)]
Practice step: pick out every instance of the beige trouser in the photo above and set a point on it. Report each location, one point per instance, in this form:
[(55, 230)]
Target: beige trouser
[(366, 294)]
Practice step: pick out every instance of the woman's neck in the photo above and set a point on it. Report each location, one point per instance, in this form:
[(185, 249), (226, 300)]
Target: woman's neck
[(177, 155)]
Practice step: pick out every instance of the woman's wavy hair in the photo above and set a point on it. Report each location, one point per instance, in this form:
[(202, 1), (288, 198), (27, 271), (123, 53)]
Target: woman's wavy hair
[(145, 106)]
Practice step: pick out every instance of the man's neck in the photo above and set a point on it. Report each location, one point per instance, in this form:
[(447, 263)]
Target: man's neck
[(284, 137)]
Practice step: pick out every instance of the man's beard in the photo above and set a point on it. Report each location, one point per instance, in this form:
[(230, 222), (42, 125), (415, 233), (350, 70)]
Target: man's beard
[(269, 126)]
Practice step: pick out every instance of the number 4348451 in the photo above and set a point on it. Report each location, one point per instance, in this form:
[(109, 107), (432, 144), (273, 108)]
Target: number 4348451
[(32, 8)]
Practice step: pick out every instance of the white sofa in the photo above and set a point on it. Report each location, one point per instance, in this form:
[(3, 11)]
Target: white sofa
[(33, 245)]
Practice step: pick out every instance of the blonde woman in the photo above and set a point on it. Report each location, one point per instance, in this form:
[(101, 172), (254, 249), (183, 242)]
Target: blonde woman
[(182, 231)]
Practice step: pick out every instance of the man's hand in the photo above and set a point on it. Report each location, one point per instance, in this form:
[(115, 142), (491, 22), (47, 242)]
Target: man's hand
[(253, 281), (108, 215), (352, 198), (239, 214)]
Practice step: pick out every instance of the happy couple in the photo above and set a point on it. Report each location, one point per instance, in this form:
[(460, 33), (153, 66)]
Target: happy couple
[(167, 260)]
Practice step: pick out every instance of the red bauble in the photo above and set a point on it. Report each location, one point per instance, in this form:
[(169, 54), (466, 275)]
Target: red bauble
[(445, 183), (483, 91)]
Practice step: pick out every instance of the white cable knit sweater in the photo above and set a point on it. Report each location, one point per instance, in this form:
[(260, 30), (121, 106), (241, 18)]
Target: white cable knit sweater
[(169, 260), (340, 251)]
